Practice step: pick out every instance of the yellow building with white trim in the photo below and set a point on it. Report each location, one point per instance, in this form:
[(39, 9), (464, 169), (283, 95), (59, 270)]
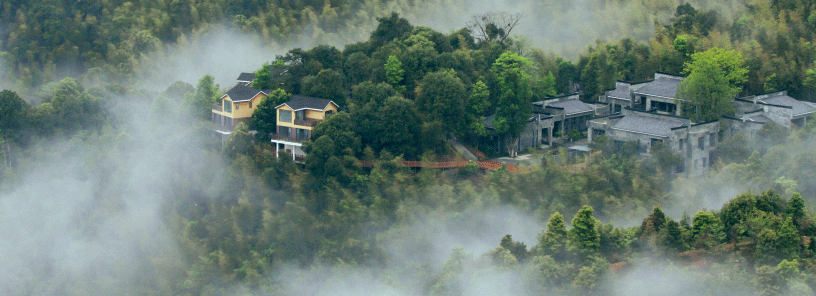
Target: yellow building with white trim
[(237, 105), (296, 119)]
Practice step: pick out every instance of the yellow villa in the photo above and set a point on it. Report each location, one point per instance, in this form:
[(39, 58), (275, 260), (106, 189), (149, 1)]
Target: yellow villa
[(237, 105), (296, 118)]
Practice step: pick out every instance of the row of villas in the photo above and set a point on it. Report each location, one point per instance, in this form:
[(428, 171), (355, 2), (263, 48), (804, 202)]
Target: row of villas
[(647, 113), (551, 119), (295, 118)]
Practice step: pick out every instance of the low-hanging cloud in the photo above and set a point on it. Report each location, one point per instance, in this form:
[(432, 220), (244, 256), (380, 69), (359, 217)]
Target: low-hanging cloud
[(89, 215)]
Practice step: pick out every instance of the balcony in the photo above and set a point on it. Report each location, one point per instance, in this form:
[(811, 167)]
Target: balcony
[(639, 107), (217, 107), (307, 122), (223, 128), (228, 126), (289, 138)]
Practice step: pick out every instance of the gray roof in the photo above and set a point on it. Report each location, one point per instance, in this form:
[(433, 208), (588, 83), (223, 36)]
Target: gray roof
[(635, 123), (572, 106), (620, 92), (241, 93), (246, 77), (759, 118), (304, 102), (799, 107), (665, 87)]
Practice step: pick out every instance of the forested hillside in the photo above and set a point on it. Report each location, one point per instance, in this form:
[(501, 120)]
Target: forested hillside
[(113, 41), (108, 188)]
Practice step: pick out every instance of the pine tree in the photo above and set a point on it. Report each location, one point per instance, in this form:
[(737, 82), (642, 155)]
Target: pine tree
[(583, 236), (796, 209), (552, 241), (672, 237)]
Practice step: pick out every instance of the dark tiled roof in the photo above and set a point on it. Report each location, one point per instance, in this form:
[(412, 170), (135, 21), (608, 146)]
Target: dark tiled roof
[(759, 118), (572, 106), (647, 125), (799, 107), (241, 93), (304, 102), (620, 92), (246, 77), (665, 87)]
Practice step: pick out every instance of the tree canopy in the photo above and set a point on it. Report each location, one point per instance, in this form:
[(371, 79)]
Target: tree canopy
[(514, 107), (715, 77)]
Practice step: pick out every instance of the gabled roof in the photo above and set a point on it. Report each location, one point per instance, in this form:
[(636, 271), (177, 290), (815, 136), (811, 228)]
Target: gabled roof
[(635, 123), (664, 87), (799, 107), (304, 102), (572, 106), (246, 77), (241, 93)]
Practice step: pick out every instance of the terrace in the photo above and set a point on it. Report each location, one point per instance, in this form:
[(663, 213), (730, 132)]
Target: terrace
[(288, 138)]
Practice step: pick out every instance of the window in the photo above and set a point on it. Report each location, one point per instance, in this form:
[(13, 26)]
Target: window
[(681, 144), (704, 162), (237, 106), (250, 104), (300, 115), (701, 142), (302, 134), (329, 113), (695, 164), (285, 116), (284, 131), (713, 140), (227, 106)]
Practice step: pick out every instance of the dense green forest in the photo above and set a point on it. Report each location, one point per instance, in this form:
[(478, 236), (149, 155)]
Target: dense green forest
[(112, 189)]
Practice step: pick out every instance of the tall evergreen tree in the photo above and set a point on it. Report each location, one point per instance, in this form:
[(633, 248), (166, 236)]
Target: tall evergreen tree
[(201, 100), (513, 108), (584, 236), (796, 209), (553, 241), (13, 115)]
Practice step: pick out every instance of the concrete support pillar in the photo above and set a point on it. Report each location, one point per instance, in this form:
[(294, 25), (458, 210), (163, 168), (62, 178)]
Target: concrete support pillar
[(550, 135), (277, 148)]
